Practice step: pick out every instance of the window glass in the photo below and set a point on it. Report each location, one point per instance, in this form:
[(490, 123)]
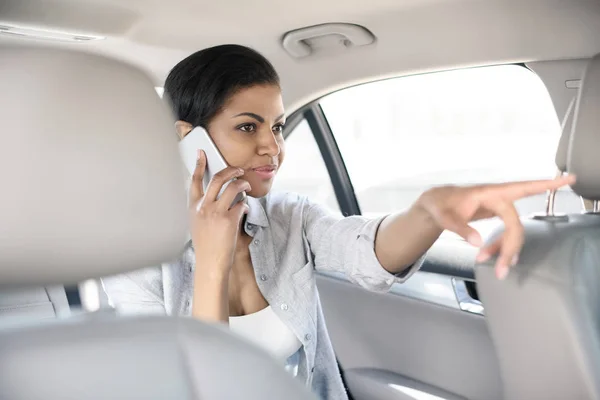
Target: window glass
[(401, 136), (303, 170)]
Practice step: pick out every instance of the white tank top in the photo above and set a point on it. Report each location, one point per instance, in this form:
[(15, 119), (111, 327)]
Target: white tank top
[(267, 330)]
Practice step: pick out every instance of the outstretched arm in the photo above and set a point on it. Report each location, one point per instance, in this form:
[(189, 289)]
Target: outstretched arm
[(402, 238)]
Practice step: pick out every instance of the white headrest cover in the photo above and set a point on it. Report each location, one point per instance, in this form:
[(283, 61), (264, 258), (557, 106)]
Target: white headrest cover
[(91, 182), (584, 146)]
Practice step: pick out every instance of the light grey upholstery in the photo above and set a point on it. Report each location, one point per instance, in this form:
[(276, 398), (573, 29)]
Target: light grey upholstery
[(93, 186), (32, 304), (544, 318), (146, 358), (85, 147), (566, 126), (584, 144)]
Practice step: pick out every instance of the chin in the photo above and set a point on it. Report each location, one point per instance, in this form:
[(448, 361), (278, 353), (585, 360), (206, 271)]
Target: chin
[(260, 192)]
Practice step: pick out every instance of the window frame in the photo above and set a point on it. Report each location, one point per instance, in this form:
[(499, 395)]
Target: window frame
[(332, 156)]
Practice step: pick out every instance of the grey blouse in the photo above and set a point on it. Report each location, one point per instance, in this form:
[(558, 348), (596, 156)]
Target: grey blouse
[(292, 237)]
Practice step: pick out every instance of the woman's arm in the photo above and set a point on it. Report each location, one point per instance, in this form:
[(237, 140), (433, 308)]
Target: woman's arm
[(211, 293), (215, 227), (418, 232), (453, 208), (376, 253), (347, 245), (138, 292)]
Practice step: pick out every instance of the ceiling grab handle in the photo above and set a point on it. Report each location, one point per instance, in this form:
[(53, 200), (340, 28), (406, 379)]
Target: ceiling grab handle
[(299, 43)]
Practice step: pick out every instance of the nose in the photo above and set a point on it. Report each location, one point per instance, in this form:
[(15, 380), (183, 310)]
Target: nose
[(267, 144)]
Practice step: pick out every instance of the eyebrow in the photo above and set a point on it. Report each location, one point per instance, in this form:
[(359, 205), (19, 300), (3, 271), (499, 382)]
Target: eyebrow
[(256, 116)]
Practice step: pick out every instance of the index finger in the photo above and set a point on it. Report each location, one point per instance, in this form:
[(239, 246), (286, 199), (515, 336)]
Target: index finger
[(516, 190)]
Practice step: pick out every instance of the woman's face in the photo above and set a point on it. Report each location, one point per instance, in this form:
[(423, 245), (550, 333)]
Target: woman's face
[(248, 133)]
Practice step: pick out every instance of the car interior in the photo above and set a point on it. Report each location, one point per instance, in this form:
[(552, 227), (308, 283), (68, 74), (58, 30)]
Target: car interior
[(385, 99), (133, 224)]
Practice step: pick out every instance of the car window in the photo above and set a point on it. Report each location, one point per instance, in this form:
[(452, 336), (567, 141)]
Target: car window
[(303, 170), (401, 136)]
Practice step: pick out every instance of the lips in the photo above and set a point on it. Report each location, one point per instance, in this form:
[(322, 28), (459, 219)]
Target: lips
[(266, 168), (265, 171)]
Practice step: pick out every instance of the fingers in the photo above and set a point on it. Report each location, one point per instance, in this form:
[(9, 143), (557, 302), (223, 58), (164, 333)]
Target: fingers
[(499, 200), (230, 193), (196, 188), (486, 201), (516, 190), (220, 179), (240, 209), (453, 223), (489, 250), (511, 241)]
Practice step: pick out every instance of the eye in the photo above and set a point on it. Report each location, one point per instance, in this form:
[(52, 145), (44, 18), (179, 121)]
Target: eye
[(248, 128), (278, 128)]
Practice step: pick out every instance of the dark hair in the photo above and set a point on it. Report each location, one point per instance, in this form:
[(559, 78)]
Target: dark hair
[(200, 85)]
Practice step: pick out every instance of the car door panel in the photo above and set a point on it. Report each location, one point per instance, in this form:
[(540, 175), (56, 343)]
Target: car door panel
[(367, 383), (420, 332)]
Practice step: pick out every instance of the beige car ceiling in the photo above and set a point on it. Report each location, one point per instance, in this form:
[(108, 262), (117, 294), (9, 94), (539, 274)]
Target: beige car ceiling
[(412, 36)]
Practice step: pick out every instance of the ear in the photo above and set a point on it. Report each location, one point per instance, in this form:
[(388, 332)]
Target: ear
[(183, 128)]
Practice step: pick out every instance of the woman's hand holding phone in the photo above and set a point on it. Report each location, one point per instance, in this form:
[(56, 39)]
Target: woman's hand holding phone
[(214, 222)]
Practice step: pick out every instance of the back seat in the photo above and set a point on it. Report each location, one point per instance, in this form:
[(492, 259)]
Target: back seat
[(20, 305), (28, 304)]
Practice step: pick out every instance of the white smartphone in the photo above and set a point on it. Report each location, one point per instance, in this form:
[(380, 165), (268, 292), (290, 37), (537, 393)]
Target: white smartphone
[(197, 139)]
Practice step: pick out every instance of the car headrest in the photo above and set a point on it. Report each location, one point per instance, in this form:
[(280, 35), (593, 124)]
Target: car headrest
[(584, 143), (562, 151), (91, 182)]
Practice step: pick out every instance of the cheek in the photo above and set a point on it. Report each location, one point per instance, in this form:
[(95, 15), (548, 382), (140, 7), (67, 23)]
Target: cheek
[(236, 153)]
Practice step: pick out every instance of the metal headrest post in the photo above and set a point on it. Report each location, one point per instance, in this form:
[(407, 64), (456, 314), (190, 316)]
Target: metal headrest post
[(551, 200), (550, 203)]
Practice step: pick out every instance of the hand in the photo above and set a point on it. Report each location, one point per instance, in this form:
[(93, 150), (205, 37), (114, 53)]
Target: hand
[(214, 224), (452, 208)]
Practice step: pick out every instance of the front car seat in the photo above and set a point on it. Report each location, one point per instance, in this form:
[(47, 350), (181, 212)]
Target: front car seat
[(544, 318), (92, 185)]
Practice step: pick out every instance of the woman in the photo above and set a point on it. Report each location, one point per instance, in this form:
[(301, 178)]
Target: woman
[(252, 266)]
